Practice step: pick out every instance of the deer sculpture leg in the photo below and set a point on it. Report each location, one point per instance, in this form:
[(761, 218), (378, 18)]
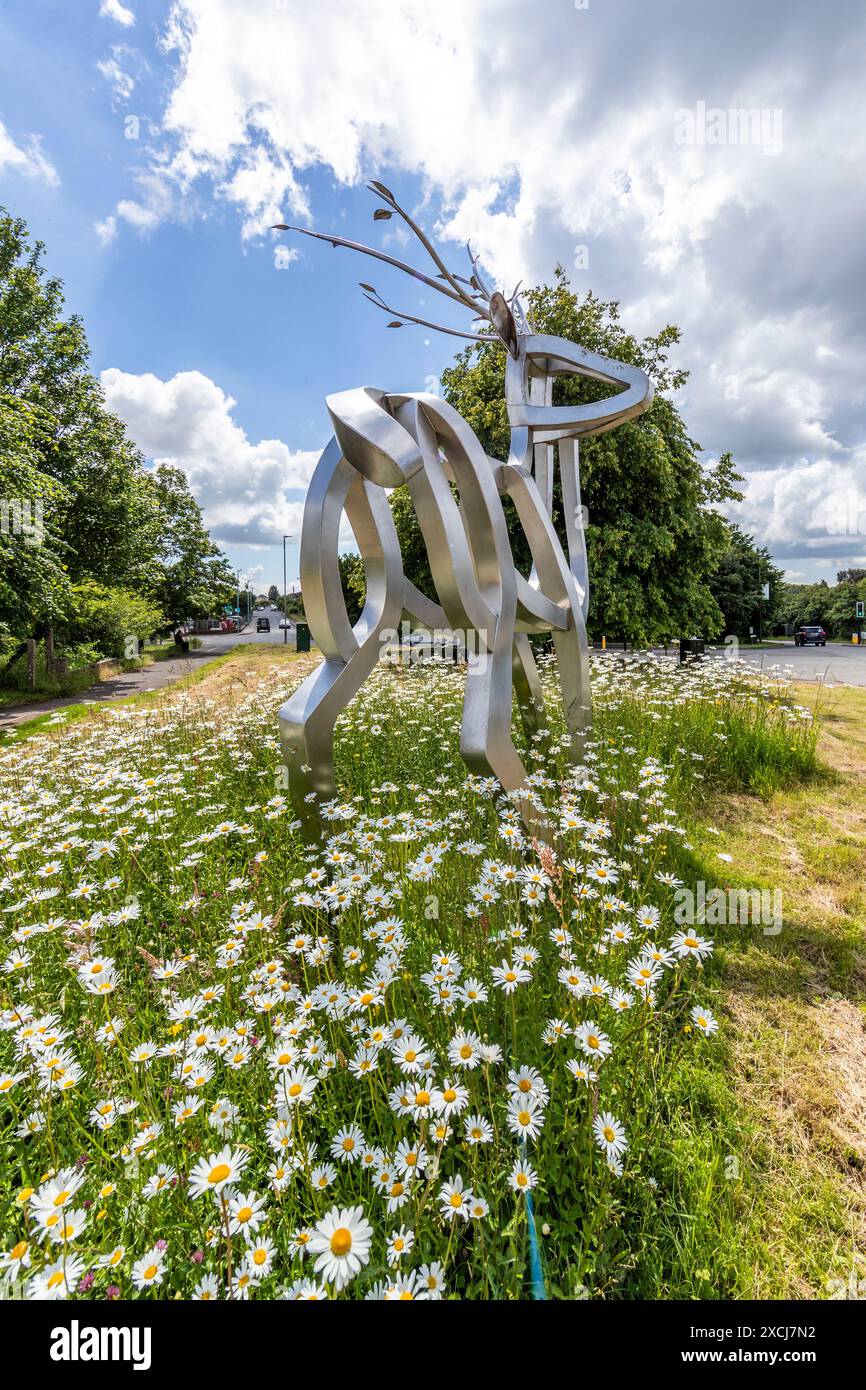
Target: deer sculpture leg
[(421, 439), (308, 717)]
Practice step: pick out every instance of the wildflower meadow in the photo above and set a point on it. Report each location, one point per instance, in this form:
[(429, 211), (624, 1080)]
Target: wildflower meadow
[(431, 1057)]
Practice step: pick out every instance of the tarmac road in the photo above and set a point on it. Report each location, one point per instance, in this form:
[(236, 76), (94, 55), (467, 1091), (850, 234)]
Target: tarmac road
[(839, 663)]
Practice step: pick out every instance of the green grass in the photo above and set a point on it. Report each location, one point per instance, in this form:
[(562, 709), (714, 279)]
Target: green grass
[(169, 651), (689, 1216)]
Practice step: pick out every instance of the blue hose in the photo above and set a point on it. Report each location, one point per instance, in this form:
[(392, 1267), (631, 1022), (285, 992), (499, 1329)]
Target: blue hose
[(536, 1274)]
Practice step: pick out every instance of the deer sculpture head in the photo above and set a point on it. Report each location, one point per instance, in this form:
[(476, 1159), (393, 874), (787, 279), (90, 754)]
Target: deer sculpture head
[(386, 440)]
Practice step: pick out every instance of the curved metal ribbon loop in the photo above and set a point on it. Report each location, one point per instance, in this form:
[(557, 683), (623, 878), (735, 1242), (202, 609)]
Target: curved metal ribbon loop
[(383, 441)]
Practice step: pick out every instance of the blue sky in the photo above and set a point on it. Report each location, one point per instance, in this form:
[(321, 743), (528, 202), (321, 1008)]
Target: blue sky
[(571, 133)]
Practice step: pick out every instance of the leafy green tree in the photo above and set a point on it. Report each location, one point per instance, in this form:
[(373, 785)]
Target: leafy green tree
[(842, 606), (806, 604), (653, 536), (273, 594), (34, 584), (112, 520), (107, 616), (189, 575), (354, 585), (107, 503), (738, 584)]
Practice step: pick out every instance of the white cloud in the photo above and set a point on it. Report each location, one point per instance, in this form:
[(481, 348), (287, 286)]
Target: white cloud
[(121, 14), (121, 81), (106, 230), (813, 511), (250, 493), (535, 132), (29, 159)]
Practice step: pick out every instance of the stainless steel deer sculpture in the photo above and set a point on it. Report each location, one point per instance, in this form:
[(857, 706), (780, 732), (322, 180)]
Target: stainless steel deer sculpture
[(383, 440)]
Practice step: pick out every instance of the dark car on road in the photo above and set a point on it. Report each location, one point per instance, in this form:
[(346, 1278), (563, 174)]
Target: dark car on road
[(810, 637), (263, 624)]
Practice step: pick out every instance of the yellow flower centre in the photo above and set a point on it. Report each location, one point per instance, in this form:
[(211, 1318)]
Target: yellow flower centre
[(524, 1086), (219, 1173), (449, 1095), (150, 1272), (245, 1213), (466, 1052), (18, 1250), (422, 1098), (524, 1118), (341, 1241), (295, 1090)]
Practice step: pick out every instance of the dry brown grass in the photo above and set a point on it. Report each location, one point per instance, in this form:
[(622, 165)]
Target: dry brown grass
[(798, 1006)]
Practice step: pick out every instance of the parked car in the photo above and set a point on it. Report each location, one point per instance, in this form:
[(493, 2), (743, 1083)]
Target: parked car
[(263, 624), (810, 637), (286, 622)]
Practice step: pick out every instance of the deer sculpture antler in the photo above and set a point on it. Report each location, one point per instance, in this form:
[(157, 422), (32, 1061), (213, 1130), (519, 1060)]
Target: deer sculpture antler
[(493, 308)]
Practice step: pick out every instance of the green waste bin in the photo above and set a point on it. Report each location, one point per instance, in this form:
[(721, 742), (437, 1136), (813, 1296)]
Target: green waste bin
[(302, 637)]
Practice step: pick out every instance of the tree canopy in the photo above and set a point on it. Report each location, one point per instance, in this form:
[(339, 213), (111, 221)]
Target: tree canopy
[(105, 516), (831, 606), (738, 584)]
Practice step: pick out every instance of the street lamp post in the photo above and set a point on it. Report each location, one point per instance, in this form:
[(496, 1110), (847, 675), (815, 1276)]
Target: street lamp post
[(285, 594)]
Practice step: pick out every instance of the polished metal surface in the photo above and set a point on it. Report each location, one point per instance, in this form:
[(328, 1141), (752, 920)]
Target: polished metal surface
[(384, 440)]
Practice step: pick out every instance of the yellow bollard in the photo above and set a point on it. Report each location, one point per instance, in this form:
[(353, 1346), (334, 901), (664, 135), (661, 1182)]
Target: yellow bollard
[(604, 644)]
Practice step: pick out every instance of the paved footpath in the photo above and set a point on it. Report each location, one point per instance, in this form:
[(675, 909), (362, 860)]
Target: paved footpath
[(154, 677)]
